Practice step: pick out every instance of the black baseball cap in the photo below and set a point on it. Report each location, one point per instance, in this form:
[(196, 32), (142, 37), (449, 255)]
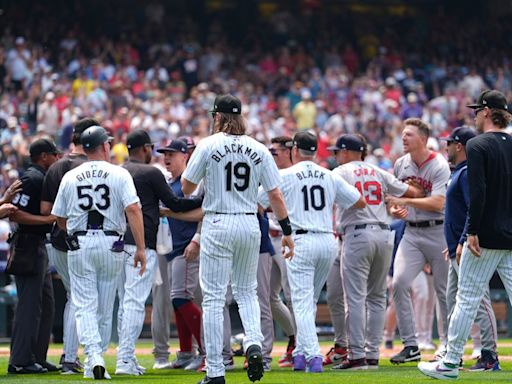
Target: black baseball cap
[(94, 136), (137, 138), (174, 146), (306, 141), (188, 140), (227, 104), (349, 142), (492, 99), (81, 125), (460, 135), (43, 146)]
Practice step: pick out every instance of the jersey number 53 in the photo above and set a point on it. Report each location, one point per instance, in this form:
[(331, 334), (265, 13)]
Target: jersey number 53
[(86, 194)]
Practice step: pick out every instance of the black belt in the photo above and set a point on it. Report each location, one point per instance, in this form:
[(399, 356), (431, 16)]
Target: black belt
[(235, 213), (425, 224), (363, 226), (301, 231), (107, 233)]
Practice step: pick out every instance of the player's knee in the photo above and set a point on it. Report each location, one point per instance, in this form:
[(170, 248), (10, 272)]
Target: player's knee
[(176, 303)]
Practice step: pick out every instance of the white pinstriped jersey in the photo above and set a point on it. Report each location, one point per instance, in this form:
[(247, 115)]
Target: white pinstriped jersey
[(310, 192), (95, 185), (233, 167), (373, 183), (432, 175)]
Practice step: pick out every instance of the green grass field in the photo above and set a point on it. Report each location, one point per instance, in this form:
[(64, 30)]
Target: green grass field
[(386, 373)]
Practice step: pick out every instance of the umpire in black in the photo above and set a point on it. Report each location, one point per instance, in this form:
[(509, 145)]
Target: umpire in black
[(28, 261)]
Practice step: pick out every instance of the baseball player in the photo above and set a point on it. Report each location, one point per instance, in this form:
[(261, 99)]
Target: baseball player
[(57, 249), (488, 243), (28, 261), (232, 166), (457, 204), (366, 250), (281, 148), (134, 289), (90, 206), (183, 270), (423, 240), (311, 191)]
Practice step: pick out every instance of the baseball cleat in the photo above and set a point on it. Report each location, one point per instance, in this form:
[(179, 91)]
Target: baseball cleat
[(162, 364), (315, 365), (335, 355), (182, 360), (488, 361), (406, 355), (255, 363), (98, 372), (70, 368), (128, 368), (213, 380), (196, 363), (372, 363), (439, 370), (352, 365)]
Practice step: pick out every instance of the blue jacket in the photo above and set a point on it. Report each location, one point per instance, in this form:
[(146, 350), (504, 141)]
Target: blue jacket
[(456, 209)]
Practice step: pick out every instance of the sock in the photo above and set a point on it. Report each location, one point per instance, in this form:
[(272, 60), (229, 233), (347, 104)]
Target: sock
[(291, 343), (191, 314), (184, 335)]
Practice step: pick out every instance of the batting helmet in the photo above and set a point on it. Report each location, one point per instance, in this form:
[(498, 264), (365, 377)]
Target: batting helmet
[(94, 136)]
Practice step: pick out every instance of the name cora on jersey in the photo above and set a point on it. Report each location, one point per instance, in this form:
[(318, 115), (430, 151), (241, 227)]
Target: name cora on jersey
[(425, 184), (239, 149), (100, 174)]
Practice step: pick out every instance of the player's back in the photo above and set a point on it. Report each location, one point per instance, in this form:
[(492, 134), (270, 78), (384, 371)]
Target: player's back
[(310, 192), (235, 166), (373, 183), (100, 186)]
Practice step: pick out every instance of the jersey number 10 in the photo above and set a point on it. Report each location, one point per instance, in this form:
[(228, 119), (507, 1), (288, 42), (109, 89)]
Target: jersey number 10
[(371, 190), (314, 197)]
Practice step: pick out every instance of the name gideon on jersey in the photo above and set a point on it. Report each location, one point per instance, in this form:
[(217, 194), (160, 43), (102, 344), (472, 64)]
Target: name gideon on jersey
[(94, 173), (237, 148)]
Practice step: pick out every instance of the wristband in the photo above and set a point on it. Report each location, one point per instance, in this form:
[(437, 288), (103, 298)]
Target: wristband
[(195, 242), (286, 226), (197, 238)]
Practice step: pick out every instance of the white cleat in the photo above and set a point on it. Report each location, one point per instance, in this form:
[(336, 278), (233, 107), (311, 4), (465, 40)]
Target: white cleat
[(128, 368), (438, 370), (162, 364)]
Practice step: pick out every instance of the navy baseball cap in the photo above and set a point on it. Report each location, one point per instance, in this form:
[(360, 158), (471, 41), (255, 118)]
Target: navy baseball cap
[(306, 141), (189, 140), (174, 146), (349, 142), (138, 138), (227, 104), (491, 99), (43, 146), (460, 135), (94, 136)]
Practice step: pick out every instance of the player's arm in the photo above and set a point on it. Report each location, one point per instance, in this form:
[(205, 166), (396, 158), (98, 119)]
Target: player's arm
[(167, 196), (11, 192), (134, 216), (196, 168), (62, 223), (187, 186), (191, 251), (194, 215), (434, 203), (22, 217), (279, 208)]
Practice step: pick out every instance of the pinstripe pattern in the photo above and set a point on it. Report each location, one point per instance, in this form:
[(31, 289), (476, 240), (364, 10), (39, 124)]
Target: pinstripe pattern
[(229, 248), (474, 276), (485, 318), (314, 256), (93, 272), (133, 291), (59, 260)]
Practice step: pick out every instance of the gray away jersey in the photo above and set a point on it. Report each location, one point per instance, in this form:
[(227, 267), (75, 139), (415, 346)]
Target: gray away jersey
[(373, 183), (310, 192), (432, 175), (232, 167), (95, 185)]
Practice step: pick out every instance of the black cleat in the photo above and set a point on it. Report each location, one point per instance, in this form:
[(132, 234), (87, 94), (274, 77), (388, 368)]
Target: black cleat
[(406, 355), (255, 363), (26, 369), (49, 366), (98, 372), (213, 380)]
